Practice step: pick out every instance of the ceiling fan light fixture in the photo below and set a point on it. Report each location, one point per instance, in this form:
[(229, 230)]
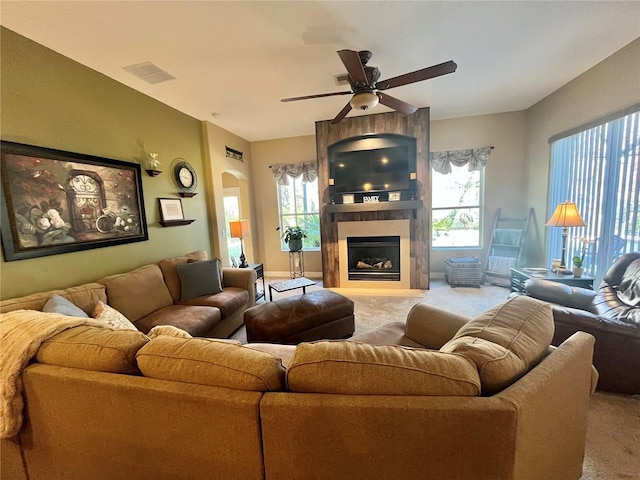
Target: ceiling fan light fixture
[(364, 101)]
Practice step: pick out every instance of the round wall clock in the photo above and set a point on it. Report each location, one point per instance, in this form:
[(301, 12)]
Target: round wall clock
[(184, 175)]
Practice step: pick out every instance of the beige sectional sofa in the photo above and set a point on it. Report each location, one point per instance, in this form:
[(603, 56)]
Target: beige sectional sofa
[(436, 397), (151, 295)]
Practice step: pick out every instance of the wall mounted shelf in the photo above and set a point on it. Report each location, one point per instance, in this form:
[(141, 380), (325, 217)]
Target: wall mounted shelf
[(187, 194), (153, 173), (175, 223)]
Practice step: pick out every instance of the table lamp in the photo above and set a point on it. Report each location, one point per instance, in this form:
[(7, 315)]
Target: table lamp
[(240, 229), (565, 216)]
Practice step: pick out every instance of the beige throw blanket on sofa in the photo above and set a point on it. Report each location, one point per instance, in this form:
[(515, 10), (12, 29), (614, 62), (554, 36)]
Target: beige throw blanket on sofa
[(21, 334)]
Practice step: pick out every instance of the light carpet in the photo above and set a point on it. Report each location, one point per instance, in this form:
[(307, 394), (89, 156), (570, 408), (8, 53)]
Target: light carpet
[(613, 425)]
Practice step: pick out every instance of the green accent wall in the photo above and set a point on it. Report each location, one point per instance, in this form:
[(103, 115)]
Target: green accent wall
[(51, 101)]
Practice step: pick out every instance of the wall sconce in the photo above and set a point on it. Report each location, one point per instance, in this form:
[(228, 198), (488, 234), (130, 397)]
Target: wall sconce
[(565, 216), (240, 229)]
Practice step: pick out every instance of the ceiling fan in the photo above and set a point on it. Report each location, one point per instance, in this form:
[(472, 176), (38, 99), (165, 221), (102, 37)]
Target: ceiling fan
[(366, 89)]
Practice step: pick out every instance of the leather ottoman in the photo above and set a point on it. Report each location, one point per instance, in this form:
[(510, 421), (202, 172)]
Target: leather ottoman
[(317, 315)]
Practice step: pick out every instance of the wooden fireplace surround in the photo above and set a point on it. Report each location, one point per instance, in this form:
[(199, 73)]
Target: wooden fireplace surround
[(417, 211)]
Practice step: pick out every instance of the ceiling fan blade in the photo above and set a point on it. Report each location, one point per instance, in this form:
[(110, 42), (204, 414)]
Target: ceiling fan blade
[(418, 76), (352, 63), (306, 97), (342, 114), (398, 105)]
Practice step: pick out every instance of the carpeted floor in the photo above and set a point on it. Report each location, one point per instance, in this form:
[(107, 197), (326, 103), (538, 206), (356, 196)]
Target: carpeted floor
[(613, 425)]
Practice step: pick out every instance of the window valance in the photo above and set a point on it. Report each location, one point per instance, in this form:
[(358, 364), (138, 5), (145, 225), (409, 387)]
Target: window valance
[(475, 158), (282, 172)]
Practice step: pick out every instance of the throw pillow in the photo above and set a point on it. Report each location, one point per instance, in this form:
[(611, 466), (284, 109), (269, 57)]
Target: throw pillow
[(200, 278), (112, 317), (59, 304), (629, 288), (505, 341)]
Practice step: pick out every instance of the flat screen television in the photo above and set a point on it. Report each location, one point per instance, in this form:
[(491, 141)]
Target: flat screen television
[(386, 167)]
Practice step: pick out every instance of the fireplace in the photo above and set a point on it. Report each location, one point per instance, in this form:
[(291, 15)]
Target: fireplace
[(370, 244), (374, 258)]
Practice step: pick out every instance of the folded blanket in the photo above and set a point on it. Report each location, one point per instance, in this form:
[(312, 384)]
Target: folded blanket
[(21, 334)]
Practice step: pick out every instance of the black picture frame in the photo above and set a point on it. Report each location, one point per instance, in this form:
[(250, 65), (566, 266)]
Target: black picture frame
[(56, 202)]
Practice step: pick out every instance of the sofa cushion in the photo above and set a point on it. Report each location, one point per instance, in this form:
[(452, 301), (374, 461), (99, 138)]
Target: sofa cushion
[(59, 304), (169, 330), (93, 348), (112, 317), (204, 361), (629, 288), (505, 341), (83, 296), (196, 321), (345, 367), (170, 272), (137, 293), (229, 301), (199, 278)]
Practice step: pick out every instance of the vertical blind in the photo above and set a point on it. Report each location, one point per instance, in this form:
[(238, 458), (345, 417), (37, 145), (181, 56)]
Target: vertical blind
[(598, 168)]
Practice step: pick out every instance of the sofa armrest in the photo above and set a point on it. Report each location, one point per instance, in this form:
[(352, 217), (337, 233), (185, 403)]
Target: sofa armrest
[(244, 278), (431, 326), (560, 294)]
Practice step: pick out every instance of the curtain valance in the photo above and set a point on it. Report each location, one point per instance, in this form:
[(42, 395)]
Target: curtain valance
[(476, 158), (282, 172)]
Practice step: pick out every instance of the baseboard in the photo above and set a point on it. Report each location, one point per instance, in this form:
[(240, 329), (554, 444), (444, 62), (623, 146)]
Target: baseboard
[(287, 274)]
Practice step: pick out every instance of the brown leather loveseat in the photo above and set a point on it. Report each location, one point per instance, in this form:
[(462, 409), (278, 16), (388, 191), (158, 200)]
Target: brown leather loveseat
[(611, 314)]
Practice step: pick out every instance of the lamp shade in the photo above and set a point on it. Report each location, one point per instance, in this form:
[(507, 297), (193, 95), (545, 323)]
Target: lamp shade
[(239, 228), (566, 215), (364, 101)]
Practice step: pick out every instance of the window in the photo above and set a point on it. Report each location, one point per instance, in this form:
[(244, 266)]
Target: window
[(598, 168), (299, 205), (232, 213), (456, 204)]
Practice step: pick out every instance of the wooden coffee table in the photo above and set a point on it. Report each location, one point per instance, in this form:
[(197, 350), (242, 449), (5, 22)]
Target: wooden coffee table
[(287, 285)]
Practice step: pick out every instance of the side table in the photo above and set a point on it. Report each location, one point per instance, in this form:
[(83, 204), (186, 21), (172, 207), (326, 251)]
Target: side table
[(259, 268), (286, 285), (520, 275)]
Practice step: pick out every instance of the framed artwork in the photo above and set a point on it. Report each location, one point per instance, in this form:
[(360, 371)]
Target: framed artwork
[(171, 209), (57, 202)]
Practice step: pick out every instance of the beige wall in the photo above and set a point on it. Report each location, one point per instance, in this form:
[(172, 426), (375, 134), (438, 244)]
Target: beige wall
[(51, 101), (610, 86), (217, 167), (504, 173), (263, 154)]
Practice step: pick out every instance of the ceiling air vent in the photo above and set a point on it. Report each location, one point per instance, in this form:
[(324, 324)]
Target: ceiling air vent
[(148, 72)]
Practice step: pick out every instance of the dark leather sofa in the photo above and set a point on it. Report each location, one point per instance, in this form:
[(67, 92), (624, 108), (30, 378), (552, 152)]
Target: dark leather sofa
[(611, 314)]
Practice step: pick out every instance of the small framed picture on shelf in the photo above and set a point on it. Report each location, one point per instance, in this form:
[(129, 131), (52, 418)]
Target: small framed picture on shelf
[(347, 198), (171, 209), (394, 196)]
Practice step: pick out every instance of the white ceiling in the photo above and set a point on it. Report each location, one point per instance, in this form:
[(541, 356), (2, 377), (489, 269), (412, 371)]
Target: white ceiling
[(238, 59)]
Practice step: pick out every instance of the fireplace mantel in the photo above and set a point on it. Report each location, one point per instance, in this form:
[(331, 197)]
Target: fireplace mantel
[(373, 207)]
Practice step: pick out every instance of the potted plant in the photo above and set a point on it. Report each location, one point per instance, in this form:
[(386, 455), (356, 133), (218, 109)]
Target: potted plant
[(577, 266), (578, 261), (292, 236)]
